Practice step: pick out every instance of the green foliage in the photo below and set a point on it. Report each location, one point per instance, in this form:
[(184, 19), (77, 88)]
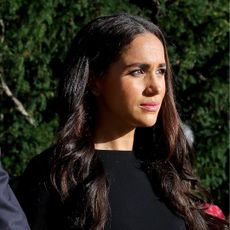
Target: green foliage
[(35, 36), (198, 39)]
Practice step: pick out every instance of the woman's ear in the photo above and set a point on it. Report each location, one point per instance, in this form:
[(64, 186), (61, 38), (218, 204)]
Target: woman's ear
[(94, 84)]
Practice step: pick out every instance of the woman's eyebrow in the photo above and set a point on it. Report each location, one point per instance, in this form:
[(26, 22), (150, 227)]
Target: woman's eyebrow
[(140, 65), (144, 66), (162, 65)]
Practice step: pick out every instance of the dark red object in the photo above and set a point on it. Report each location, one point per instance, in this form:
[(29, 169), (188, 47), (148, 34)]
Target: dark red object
[(214, 210)]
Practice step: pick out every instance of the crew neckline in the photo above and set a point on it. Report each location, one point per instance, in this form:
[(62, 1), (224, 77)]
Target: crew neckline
[(117, 156), (113, 151)]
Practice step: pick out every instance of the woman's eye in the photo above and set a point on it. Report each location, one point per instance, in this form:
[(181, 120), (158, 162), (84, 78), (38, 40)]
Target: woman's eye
[(161, 72), (137, 72)]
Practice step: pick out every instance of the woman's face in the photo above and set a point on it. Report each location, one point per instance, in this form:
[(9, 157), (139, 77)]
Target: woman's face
[(131, 92)]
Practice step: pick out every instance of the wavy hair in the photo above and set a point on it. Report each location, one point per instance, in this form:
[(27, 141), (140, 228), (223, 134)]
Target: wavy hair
[(77, 174)]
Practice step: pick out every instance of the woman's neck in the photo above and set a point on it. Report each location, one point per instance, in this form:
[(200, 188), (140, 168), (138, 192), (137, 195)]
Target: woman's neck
[(110, 139)]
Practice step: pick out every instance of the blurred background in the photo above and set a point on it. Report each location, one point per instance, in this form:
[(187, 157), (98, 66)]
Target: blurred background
[(34, 38)]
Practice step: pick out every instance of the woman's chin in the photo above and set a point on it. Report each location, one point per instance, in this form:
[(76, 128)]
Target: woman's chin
[(147, 123)]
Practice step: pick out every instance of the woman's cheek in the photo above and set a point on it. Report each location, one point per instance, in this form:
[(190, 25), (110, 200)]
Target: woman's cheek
[(132, 88)]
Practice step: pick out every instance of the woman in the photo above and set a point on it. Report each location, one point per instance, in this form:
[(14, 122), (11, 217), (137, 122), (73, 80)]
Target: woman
[(121, 160)]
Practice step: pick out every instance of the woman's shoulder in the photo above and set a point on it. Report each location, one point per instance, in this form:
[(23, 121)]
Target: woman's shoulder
[(42, 159), (36, 194), (37, 173), (39, 166), (35, 180)]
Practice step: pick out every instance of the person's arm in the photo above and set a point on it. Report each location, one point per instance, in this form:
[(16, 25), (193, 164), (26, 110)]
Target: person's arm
[(11, 215)]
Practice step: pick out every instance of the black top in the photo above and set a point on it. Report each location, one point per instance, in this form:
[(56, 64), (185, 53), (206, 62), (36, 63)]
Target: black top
[(134, 205)]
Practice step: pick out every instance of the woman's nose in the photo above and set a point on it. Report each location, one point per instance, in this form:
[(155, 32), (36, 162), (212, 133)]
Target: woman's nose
[(154, 85)]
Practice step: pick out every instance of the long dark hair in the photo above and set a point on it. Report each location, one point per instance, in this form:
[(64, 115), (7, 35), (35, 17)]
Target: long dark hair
[(77, 173)]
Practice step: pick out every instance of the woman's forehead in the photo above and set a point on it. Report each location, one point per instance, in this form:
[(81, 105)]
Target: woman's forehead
[(145, 48)]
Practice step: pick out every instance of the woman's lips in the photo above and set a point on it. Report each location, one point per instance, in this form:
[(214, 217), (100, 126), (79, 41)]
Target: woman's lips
[(151, 107)]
